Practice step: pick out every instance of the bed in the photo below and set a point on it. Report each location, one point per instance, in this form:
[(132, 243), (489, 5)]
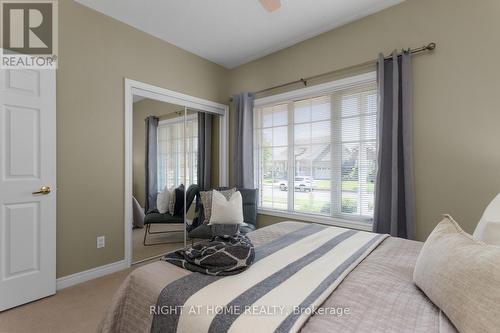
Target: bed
[(377, 295)]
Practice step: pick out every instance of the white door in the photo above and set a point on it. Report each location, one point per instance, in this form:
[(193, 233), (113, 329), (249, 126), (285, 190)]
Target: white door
[(27, 165)]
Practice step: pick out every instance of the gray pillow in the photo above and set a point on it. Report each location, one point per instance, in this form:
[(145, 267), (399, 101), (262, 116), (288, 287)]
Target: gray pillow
[(224, 229), (206, 201)]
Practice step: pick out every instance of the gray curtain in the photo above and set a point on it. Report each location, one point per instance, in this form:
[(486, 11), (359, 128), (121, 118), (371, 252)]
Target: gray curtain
[(241, 140), (395, 198), (204, 150), (151, 163)]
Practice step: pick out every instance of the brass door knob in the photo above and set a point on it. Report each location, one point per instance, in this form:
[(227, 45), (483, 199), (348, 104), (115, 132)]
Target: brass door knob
[(43, 190)]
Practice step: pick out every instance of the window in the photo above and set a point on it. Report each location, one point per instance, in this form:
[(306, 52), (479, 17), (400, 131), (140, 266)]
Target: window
[(171, 142), (316, 154)]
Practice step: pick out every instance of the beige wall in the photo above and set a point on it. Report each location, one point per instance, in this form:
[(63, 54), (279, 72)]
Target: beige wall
[(456, 108), (96, 53), (143, 109), (456, 94)]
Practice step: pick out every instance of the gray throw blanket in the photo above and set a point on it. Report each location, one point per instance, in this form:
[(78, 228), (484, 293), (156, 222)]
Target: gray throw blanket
[(222, 255)]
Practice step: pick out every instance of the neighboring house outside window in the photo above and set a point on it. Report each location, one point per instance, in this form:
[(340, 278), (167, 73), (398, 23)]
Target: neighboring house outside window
[(171, 141), (316, 151)]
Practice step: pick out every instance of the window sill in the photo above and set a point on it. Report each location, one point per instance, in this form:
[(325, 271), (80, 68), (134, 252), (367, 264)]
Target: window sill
[(359, 224)]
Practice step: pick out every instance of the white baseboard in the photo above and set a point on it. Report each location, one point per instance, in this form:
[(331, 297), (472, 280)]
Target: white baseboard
[(93, 273)]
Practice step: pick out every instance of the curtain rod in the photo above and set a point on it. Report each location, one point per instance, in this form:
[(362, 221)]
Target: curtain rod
[(304, 81)]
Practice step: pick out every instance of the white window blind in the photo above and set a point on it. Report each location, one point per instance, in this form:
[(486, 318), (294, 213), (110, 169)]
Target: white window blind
[(171, 140), (317, 155)]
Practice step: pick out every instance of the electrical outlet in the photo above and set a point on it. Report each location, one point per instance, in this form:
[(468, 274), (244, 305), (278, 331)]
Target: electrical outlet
[(101, 241)]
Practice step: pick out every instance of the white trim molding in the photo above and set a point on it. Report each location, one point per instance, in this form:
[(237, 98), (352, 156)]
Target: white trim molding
[(169, 96), (365, 225), (145, 90), (176, 120), (318, 89), (93, 273)]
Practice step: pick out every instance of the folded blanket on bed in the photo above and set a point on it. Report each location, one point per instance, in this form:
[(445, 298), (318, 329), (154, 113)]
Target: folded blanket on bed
[(291, 276), (222, 255)]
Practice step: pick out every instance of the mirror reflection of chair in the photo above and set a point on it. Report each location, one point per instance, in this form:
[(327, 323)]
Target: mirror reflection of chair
[(200, 230), (157, 218)]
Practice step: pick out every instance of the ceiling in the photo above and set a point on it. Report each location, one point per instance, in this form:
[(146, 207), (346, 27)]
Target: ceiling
[(233, 32)]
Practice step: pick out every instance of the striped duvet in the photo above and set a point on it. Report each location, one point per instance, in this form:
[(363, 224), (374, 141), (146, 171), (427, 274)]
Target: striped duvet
[(290, 275), (379, 291)]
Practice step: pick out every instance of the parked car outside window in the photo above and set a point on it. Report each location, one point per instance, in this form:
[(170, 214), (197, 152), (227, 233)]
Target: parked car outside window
[(302, 184)]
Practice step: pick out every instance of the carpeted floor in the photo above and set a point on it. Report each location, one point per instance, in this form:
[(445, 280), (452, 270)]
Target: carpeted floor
[(141, 252), (77, 309)]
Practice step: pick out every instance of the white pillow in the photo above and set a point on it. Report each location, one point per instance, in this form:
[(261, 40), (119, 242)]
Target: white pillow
[(226, 211), (162, 200), (488, 228)]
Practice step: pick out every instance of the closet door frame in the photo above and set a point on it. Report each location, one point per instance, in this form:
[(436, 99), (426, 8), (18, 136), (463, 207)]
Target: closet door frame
[(133, 87)]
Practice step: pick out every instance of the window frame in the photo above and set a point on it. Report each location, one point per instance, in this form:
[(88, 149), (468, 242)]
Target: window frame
[(329, 88), (177, 120)]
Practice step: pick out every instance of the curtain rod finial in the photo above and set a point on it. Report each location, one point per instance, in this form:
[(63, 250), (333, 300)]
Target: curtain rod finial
[(431, 46)]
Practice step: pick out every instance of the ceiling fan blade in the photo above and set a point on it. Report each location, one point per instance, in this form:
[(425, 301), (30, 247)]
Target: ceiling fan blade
[(270, 5)]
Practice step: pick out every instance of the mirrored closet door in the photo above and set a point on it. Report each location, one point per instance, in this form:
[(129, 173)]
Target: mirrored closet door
[(176, 156), (158, 177), (202, 155)]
